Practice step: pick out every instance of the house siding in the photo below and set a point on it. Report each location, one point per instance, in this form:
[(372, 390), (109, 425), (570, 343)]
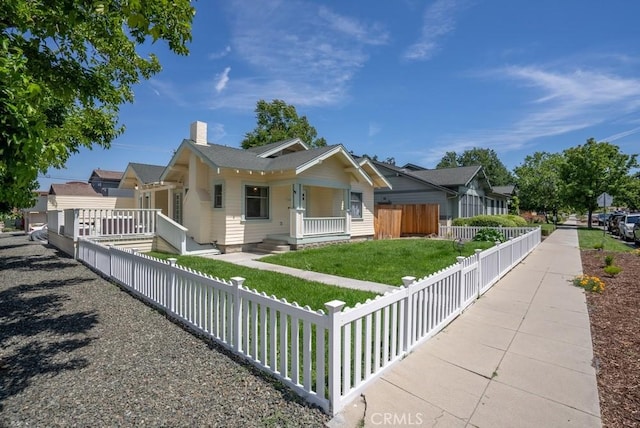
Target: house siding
[(59, 203), (363, 227)]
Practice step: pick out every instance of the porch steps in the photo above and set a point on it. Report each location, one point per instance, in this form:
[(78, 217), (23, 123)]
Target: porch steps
[(273, 246)]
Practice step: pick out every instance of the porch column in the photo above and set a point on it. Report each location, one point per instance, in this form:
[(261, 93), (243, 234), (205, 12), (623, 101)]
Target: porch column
[(296, 223), (170, 203), (347, 211)]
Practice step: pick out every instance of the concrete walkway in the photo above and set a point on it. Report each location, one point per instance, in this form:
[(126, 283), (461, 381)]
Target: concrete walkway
[(251, 260), (521, 356)]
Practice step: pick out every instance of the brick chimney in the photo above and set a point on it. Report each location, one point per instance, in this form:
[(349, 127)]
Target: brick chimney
[(199, 132)]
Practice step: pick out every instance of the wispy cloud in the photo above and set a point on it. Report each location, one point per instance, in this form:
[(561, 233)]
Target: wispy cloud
[(167, 89), (221, 54), (439, 20), (297, 51), (621, 135), (374, 129), (216, 131), (222, 80), (564, 101)]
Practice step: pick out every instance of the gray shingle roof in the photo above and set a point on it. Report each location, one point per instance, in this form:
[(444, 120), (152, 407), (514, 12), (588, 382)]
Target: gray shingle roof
[(504, 190), (230, 157), (458, 176), (147, 173), (271, 146)]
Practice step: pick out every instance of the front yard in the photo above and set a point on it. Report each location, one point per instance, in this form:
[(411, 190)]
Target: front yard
[(384, 261)]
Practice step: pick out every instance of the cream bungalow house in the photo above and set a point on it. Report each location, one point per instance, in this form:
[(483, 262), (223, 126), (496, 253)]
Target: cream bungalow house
[(284, 193)]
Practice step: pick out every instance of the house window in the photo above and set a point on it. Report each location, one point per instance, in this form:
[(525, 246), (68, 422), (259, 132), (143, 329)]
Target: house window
[(217, 195), (256, 202), (356, 205)]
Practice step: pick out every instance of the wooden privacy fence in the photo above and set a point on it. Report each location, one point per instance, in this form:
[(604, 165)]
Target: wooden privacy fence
[(326, 356), (393, 221)]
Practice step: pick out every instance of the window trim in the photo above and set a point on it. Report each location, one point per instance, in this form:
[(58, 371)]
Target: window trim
[(359, 201), (213, 193), (245, 200)]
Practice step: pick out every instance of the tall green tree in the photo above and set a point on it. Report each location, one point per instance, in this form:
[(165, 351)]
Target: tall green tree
[(592, 169), (497, 173), (539, 183), (279, 121), (629, 193), (65, 68)]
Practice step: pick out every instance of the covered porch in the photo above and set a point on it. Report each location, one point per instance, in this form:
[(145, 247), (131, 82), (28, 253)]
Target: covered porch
[(318, 213)]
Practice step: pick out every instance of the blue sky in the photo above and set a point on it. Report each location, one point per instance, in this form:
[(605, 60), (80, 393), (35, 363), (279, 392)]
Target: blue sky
[(404, 79)]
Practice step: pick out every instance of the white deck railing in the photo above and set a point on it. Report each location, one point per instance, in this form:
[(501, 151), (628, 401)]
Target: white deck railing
[(467, 233), (172, 232), (98, 222), (290, 342), (314, 226)]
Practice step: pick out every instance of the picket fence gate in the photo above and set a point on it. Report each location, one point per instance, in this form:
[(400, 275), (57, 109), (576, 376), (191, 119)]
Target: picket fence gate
[(326, 356)]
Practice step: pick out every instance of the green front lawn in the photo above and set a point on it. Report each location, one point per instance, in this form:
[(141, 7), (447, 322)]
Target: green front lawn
[(383, 261), (313, 294), (591, 238)]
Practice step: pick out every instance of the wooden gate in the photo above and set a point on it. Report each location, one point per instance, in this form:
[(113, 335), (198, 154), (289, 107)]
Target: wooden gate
[(393, 221)]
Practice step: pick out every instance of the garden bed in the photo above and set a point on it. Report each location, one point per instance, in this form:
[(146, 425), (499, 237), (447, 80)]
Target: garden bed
[(615, 329)]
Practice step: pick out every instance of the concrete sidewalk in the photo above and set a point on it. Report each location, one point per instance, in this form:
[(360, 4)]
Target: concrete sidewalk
[(521, 356)]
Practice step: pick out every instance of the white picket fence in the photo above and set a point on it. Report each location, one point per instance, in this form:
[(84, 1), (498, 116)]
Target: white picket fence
[(467, 233), (329, 356)]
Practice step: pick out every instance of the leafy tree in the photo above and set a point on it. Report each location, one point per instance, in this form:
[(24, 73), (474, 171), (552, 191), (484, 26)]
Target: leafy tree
[(449, 160), (65, 68), (279, 121), (497, 173), (539, 183), (629, 193), (592, 169)]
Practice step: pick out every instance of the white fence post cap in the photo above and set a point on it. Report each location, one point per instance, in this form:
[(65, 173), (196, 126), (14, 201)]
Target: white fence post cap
[(408, 280)]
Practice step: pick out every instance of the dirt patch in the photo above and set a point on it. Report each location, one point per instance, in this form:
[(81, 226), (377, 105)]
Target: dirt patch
[(615, 328)]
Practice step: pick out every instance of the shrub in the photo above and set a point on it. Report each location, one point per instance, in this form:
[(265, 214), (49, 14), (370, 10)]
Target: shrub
[(519, 221), (608, 260), (460, 221), (489, 235), (589, 283), (612, 270), (490, 221), (598, 246)]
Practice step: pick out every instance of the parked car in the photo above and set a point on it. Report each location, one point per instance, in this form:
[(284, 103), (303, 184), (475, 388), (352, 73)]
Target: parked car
[(602, 218), (612, 223), (626, 225), (636, 233), (41, 234)]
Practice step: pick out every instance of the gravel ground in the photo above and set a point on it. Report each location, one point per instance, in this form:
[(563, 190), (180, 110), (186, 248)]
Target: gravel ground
[(76, 350)]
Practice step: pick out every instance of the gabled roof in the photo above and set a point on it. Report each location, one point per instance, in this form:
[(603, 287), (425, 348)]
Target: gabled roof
[(146, 173), (504, 190), (282, 147), (218, 156), (411, 174), (459, 176), (106, 175), (379, 180), (73, 188)]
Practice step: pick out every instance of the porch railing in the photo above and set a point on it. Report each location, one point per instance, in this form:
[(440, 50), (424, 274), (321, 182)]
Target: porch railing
[(324, 225), (172, 232)]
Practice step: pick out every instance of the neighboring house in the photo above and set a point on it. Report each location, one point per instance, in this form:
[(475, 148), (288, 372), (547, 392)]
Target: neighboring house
[(284, 192), (76, 194), (102, 180), (460, 192), (36, 214)]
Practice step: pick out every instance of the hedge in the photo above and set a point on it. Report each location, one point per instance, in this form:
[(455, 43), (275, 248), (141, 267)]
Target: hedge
[(506, 220)]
